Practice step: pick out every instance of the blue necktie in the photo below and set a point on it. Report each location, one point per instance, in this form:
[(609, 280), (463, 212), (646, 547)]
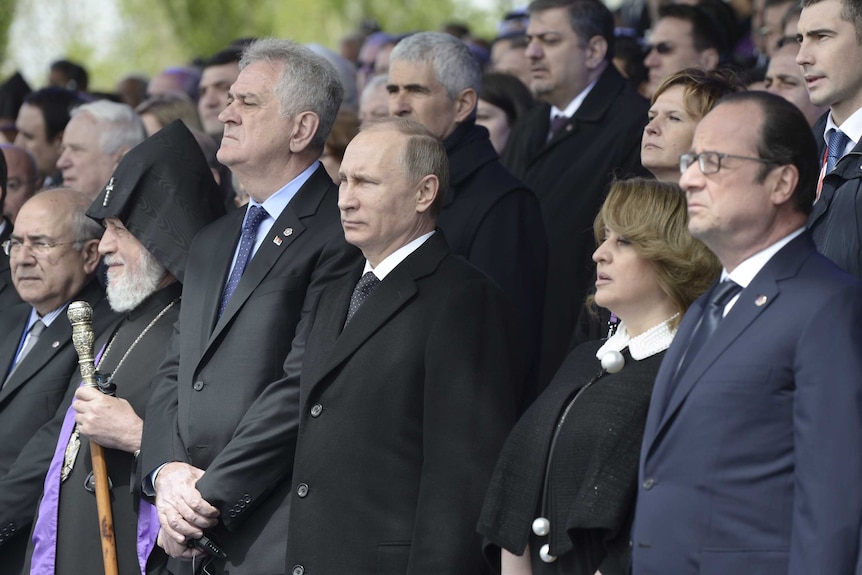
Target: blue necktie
[(838, 141), (712, 316), (363, 289), (246, 243)]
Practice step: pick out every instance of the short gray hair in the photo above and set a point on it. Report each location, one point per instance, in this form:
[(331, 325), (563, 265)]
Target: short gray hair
[(454, 65), (118, 124), (422, 155), (308, 82)]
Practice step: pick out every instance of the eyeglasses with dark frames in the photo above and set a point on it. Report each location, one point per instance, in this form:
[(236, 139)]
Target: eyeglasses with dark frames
[(710, 162)]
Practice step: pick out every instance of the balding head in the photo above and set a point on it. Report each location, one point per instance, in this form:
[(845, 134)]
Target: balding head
[(53, 249)]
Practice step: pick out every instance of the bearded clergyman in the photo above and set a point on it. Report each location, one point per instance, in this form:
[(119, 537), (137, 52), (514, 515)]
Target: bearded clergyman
[(161, 194)]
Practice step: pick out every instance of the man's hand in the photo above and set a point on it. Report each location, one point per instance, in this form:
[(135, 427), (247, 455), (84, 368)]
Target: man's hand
[(175, 549), (183, 513), (109, 421)]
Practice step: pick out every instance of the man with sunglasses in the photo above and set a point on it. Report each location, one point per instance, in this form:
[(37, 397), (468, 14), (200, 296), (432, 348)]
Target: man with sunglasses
[(749, 462), (683, 37)]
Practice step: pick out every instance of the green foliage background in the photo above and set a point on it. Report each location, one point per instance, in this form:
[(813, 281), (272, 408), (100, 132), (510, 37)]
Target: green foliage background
[(158, 33)]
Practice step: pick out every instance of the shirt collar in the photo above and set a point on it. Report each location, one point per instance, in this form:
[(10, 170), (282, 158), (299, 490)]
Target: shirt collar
[(392, 260), (744, 273), (652, 341), (48, 318), (276, 203), (574, 104), (852, 128)]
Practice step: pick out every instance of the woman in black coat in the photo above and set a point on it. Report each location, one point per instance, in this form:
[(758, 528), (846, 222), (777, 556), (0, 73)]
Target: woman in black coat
[(561, 498)]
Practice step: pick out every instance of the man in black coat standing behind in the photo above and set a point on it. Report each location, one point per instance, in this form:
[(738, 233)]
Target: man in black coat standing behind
[(587, 132), (408, 388), (489, 217)]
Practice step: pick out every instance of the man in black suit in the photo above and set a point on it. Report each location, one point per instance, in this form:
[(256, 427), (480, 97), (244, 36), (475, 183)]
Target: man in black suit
[(54, 254), (405, 398), (216, 456), (489, 217), (598, 120)]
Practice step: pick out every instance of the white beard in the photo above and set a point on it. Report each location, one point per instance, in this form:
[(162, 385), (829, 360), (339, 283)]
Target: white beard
[(135, 284)]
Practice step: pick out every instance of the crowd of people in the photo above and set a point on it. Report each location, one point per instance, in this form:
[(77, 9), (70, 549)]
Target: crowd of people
[(582, 300)]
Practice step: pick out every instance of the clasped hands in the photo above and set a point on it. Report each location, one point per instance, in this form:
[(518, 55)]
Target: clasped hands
[(183, 512)]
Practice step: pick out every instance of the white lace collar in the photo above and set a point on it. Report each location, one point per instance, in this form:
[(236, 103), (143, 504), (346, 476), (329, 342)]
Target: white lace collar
[(653, 341)]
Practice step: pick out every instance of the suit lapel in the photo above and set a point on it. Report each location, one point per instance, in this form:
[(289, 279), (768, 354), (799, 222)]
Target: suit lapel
[(390, 296), (286, 229), (760, 294), (54, 339), (16, 317), (218, 265)]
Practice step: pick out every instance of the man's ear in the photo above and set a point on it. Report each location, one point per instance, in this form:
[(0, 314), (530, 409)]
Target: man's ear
[(305, 126), (465, 103), (426, 192), (709, 59), (90, 255), (786, 178), (596, 50)]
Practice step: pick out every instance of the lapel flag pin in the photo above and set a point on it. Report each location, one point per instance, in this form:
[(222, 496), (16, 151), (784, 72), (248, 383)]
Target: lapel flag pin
[(761, 299), (276, 240), (55, 344)]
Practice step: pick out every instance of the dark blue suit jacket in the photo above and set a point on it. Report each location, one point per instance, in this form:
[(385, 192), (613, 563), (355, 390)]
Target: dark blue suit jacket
[(753, 463)]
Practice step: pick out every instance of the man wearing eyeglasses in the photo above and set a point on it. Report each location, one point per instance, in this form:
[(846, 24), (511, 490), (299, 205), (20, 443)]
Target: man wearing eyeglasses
[(750, 458), (53, 252), (683, 37)]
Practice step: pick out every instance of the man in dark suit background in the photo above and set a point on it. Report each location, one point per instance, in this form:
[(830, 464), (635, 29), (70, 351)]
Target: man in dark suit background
[(403, 409), (219, 455), (750, 459), (53, 252), (489, 217), (568, 162)]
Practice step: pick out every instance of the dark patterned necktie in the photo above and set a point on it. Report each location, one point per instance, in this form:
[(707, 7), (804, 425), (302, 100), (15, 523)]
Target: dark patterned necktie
[(838, 141), (246, 243), (363, 289)]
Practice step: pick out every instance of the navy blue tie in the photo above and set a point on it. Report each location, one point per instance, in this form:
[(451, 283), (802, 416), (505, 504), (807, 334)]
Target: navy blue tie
[(838, 141), (246, 243), (712, 316)]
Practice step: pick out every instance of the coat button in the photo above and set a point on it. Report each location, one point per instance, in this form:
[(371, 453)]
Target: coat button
[(246, 498), (298, 570), (316, 410), (198, 385), (648, 483), (302, 490), (232, 513)]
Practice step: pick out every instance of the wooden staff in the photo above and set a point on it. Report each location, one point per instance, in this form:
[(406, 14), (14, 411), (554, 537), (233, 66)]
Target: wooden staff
[(80, 315)]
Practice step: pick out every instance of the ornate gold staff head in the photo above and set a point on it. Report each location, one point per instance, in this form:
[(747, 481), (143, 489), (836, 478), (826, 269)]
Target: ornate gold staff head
[(80, 315)]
